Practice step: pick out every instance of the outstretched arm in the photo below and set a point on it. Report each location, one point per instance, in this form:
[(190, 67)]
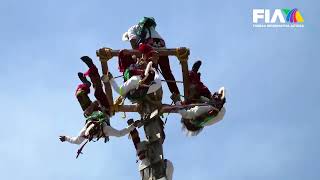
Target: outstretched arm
[(74, 140), (148, 68), (110, 131), (146, 72)]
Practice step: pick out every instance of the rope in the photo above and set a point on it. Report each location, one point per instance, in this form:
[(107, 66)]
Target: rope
[(165, 122), (171, 81)]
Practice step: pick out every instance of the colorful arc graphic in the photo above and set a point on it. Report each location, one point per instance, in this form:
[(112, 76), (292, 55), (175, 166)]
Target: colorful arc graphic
[(293, 15)]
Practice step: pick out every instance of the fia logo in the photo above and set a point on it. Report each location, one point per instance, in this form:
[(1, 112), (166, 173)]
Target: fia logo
[(279, 15)]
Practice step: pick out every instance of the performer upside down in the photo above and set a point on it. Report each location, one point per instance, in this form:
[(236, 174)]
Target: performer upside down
[(96, 127), (97, 115), (210, 109)]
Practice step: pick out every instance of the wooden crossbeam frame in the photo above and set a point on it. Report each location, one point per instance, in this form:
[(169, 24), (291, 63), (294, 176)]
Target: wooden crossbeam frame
[(105, 54)]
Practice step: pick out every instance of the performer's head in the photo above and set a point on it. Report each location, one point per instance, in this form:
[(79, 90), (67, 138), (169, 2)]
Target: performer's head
[(218, 99), (147, 22), (148, 53), (93, 129), (220, 94)]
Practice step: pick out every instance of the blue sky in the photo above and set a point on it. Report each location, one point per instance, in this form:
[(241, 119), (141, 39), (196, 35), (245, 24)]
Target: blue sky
[(272, 78)]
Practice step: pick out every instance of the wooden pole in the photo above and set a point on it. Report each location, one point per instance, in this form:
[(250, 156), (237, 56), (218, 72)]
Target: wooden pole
[(183, 55), (105, 56)]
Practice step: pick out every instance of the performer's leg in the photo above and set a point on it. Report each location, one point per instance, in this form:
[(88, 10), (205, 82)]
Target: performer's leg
[(82, 92), (83, 98), (167, 74), (195, 80), (82, 95), (93, 73)]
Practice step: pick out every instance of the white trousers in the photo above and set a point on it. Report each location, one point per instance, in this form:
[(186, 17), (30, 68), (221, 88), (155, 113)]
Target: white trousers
[(133, 83)]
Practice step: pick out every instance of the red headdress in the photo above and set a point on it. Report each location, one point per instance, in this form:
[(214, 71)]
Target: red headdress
[(147, 50)]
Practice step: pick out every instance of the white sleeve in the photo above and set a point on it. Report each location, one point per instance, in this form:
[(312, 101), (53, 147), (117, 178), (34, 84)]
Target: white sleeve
[(194, 112), (127, 86), (130, 84), (157, 83), (115, 86), (132, 32), (148, 68), (110, 131), (77, 139)]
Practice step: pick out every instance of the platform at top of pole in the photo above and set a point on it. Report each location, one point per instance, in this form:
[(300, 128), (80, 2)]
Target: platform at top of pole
[(182, 53)]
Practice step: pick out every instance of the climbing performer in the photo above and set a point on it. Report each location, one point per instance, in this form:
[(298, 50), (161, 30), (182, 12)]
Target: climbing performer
[(143, 74), (145, 32)]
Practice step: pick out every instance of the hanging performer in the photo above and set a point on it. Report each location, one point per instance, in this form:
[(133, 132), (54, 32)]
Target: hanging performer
[(83, 89), (97, 127), (141, 76), (145, 32), (208, 107), (208, 112)]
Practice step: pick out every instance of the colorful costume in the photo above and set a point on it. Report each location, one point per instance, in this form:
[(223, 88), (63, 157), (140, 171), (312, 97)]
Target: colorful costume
[(83, 89), (99, 121), (145, 32), (196, 118), (82, 92), (197, 88), (141, 76), (133, 83), (93, 73), (211, 109)]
